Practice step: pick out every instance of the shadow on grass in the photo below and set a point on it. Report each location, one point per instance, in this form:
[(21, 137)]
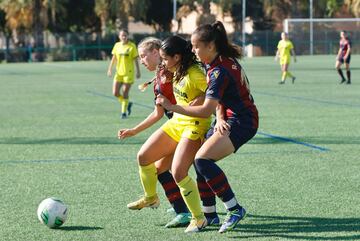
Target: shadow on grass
[(305, 228), (78, 228)]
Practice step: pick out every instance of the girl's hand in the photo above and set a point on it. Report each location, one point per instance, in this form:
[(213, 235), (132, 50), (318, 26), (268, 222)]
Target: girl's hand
[(124, 133), (163, 101), (222, 127), (109, 73)]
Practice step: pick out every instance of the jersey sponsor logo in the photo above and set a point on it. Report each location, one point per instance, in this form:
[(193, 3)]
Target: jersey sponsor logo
[(182, 94)]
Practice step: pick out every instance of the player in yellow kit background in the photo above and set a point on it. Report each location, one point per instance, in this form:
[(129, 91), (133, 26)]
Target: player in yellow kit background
[(285, 49), (125, 56)]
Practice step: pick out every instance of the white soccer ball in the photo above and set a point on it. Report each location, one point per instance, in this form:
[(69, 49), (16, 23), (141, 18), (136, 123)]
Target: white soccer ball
[(52, 212)]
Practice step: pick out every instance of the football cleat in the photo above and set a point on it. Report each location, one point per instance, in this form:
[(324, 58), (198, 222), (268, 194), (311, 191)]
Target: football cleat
[(180, 220), (293, 79), (213, 221), (232, 219), (145, 202), (196, 225)]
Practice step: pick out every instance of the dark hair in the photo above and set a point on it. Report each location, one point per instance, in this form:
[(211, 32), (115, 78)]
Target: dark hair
[(177, 45), (124, 30), (216, 33)]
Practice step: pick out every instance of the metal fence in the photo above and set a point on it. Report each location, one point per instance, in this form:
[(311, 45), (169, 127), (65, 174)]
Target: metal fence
[(92, 46)]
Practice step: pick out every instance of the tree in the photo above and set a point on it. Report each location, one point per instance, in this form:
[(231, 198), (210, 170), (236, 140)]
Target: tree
[(159, 15), (354, 7)]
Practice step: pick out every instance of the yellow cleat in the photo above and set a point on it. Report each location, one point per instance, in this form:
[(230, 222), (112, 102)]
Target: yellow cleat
[(196, 225), (145, 202)]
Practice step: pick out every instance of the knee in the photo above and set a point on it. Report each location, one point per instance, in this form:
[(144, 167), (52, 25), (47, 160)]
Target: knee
[(116, 94), (178, 175), (141, 158)]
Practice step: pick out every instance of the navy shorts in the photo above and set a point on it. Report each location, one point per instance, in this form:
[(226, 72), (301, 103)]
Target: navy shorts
[(342, 60), (239, 134)]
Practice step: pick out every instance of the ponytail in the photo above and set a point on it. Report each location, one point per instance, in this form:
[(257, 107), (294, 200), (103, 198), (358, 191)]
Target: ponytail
[(216, 33)]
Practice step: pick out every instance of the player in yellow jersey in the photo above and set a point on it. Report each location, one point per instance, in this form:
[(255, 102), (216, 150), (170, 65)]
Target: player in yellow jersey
[(285, 49), (181, 135), (125, 56)]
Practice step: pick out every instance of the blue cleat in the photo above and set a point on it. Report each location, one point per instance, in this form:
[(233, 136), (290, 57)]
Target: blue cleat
[(232, 219), (213, 221)]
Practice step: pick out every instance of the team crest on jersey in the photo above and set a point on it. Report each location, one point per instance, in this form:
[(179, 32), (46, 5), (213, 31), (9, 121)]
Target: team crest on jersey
[(216, 74), (234, 66)]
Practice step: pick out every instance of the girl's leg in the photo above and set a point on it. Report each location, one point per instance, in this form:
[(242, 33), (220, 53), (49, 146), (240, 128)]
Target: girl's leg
[(348, 74), (183, 159), (338, 68), (116, 90), (126, 105), (215, 148), (172, 192), (208, 199), (158, 145)]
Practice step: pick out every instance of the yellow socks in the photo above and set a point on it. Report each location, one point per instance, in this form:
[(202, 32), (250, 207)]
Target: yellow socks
[(285, 75), (288, 74), (124, 105), (190, 193), (148, 178)]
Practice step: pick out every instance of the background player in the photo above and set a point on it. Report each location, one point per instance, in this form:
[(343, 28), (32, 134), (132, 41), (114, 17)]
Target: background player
[(284, 50), (344, 56), (125, 56)]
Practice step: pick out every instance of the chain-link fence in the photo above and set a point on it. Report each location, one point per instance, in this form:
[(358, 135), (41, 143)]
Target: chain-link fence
[(92, 46)]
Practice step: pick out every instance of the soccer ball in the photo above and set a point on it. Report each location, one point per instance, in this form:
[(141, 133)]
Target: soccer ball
[(52, 212)]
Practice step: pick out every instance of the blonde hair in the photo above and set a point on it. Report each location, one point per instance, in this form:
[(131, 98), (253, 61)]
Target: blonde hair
[(150, 43)]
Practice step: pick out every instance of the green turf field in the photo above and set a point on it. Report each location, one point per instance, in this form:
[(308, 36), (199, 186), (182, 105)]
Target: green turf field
[(298, 178)]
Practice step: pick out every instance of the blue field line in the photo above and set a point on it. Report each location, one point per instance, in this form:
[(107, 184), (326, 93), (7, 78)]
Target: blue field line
[(308, 99), (285, 139), (114, 99)]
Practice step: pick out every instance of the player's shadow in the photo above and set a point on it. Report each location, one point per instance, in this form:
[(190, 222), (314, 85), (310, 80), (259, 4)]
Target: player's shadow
[(79, 228), (305, 228)]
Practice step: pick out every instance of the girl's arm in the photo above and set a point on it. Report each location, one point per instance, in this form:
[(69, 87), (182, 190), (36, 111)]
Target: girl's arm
[(138, 74), (112, 62), (154, 117), (203, 111), (221, 125), (293, 54)]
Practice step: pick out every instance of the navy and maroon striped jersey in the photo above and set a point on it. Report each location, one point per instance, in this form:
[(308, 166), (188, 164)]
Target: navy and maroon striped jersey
[(228, 84), (345, 44)]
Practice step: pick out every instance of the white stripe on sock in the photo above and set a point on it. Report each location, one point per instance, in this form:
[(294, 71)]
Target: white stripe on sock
[(209, 209), (231, 203)]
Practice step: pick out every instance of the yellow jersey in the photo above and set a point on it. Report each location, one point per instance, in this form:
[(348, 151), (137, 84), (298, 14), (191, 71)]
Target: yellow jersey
[(125, 55), (285, 47), (192, 85)]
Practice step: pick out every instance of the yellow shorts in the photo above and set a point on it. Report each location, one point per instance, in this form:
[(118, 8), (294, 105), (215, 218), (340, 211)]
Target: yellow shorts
[(124, 79), (190, 131), (284, 61)]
